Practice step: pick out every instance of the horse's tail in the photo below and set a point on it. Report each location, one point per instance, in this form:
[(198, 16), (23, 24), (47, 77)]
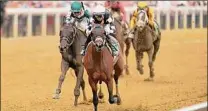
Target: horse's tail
[(156, 44), (158, 27)]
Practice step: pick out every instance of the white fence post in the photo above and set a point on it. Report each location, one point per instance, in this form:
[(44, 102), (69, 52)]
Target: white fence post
[(176, 20), (29, 25), (44, 24), (57, 24), (15, 26), (168, 19), (193, 15), (201, 19)]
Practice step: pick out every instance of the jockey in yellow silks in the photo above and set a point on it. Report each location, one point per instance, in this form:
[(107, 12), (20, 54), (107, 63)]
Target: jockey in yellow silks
[(150, 15)]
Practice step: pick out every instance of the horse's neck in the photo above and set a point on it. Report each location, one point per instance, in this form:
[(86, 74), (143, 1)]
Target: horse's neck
[(79, 40)]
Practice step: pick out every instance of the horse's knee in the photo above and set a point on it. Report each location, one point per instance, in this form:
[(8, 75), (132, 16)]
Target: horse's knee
[(150, 64), (58, 91), (76, 92), (83, 84), (61, 78)]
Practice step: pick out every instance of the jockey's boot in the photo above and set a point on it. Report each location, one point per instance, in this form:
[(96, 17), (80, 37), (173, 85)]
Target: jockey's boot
[(131, 35), (114, 45), (125, 28), (85, 46)]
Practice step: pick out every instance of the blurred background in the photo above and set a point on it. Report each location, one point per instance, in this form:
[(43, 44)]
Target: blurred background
[(44, 18)]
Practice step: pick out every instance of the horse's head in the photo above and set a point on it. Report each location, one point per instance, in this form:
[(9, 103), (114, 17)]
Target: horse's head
[(142, 20), (98, 36), (67, 35)]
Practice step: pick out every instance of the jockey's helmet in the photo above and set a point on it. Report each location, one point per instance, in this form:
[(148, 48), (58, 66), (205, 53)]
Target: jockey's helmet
[(142, 5), (76, 8), (98, 12)]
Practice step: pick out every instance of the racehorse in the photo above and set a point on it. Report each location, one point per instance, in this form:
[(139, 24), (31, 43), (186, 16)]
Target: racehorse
[(71, 41), (120, 36), (145, 40), (100, 64)]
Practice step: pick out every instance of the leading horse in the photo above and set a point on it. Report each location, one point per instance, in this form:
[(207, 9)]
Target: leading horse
[(71, 41), (146, 40), (99, 64)]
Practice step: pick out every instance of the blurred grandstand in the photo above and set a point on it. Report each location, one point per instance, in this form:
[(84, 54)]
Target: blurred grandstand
[(7, 27)]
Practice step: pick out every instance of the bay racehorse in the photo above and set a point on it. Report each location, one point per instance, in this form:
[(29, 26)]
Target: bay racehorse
[(100, 64)]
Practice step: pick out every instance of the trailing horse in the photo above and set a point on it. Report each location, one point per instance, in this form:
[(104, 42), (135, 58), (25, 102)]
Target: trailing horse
[(120, 36), (100, 64), (71, 41), (146, 40)]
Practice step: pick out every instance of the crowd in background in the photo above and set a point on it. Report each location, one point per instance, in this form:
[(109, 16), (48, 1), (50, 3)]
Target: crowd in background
[(22, 24)]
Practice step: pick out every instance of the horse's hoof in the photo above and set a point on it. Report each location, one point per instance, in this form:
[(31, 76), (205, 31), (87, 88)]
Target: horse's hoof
[(149, 79), (75, 104), (117, 99), (56, 96), (141, 71)]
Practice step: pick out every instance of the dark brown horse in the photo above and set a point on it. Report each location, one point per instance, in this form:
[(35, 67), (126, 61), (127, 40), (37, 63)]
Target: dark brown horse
[(120, 36), (145, 40), (71, 41), (99, 65)]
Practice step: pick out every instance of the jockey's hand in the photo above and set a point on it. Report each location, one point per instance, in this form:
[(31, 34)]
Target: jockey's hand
[(88, 32)]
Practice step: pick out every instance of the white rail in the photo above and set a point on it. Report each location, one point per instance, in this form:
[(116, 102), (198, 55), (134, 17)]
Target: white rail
[(43, 12)]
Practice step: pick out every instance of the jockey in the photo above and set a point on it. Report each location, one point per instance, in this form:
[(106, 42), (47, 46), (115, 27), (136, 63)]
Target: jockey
[(78, 14), (118, 7), (150, 15), (102, 16)]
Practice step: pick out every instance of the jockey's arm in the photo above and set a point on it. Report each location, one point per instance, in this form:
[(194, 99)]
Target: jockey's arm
[(151, 17), (133, 20)]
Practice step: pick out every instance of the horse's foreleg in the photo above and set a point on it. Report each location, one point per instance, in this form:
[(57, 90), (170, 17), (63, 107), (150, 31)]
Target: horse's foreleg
[(139, 57), (150, 63), (64, 68), (117, 91), (79, 73), (93, 85), (110, 91)]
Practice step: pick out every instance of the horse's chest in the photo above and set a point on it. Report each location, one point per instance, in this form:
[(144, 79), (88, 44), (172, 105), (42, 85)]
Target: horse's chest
[(143, 44)]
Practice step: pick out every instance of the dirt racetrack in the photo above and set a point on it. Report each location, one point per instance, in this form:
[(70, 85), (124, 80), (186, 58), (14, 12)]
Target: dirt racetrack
[(30, 68)]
